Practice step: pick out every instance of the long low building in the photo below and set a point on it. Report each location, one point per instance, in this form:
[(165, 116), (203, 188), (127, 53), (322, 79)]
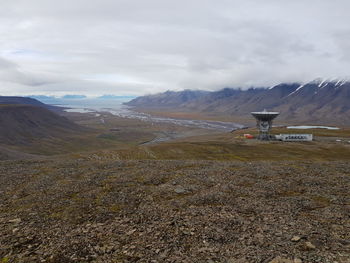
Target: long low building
[(295, 137)]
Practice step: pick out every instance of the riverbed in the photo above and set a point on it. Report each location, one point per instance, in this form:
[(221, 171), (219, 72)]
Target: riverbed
[(117, 108)]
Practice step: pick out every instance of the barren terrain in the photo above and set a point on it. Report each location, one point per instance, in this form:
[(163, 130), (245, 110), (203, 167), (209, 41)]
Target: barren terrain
[(174, 211), (210, 197)]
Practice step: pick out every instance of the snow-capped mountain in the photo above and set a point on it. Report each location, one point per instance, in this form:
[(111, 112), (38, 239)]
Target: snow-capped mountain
[(319, 101)]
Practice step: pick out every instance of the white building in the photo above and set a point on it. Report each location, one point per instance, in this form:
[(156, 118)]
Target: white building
[(295, 137)]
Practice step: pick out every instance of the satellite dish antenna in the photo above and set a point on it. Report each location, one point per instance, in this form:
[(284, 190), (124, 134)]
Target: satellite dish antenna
[(264, 123)]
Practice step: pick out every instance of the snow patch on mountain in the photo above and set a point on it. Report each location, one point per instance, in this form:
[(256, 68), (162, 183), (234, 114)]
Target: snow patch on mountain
[(300, 87)]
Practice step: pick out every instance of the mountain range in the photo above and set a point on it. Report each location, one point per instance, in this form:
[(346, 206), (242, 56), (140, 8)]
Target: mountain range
[(315, 102)]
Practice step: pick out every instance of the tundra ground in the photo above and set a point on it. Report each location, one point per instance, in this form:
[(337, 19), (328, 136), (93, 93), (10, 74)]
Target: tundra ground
[(206, 198)]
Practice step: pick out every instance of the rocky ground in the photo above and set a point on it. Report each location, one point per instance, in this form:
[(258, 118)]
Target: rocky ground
[(86, 210)]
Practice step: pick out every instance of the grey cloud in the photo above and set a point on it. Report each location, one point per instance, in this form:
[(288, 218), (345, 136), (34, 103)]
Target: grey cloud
[(11, 72), (6, 64), (137, 47)]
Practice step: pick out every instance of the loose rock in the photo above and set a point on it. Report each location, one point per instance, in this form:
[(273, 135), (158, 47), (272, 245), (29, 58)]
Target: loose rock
[(296, 238)]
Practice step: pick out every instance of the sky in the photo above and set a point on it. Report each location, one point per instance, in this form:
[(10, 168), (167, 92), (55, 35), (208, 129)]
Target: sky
[(137, 47)]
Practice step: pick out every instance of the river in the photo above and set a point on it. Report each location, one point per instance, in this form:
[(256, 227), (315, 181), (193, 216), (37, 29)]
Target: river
[(117, 108)]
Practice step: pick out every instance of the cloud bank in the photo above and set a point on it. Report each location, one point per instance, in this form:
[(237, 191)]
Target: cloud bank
[(132, 47)]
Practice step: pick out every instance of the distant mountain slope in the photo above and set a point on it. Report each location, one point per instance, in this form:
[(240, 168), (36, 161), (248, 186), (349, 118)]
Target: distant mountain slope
[(168, 98), (22, 124), (26, 101), (317, 102)]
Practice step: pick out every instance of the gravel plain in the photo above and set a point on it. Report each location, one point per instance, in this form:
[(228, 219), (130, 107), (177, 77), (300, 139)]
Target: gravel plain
[(96, 210)]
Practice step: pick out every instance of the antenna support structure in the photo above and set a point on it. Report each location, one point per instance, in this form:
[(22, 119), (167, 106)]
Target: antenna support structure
[(264, 123)]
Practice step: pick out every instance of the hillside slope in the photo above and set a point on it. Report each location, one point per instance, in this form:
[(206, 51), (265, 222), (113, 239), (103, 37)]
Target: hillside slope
[(21, 124), (168, 98), (27, 101)]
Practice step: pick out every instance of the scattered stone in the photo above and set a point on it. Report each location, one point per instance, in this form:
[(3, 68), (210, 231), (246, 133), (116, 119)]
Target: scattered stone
[(131, 232), (309, 246), (296, 238), (220, 220), (179, 190), (240, 260), (281, 260), (15, 221)]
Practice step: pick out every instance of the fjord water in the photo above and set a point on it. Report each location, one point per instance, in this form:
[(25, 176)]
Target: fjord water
[(117, 108)]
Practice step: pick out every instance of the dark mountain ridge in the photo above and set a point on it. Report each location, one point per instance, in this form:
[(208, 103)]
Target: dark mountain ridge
[(316, 102), (22, 124), (27, 101)]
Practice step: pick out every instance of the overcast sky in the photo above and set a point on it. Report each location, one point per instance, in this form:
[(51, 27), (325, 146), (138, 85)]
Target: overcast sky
[(135, 47)]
